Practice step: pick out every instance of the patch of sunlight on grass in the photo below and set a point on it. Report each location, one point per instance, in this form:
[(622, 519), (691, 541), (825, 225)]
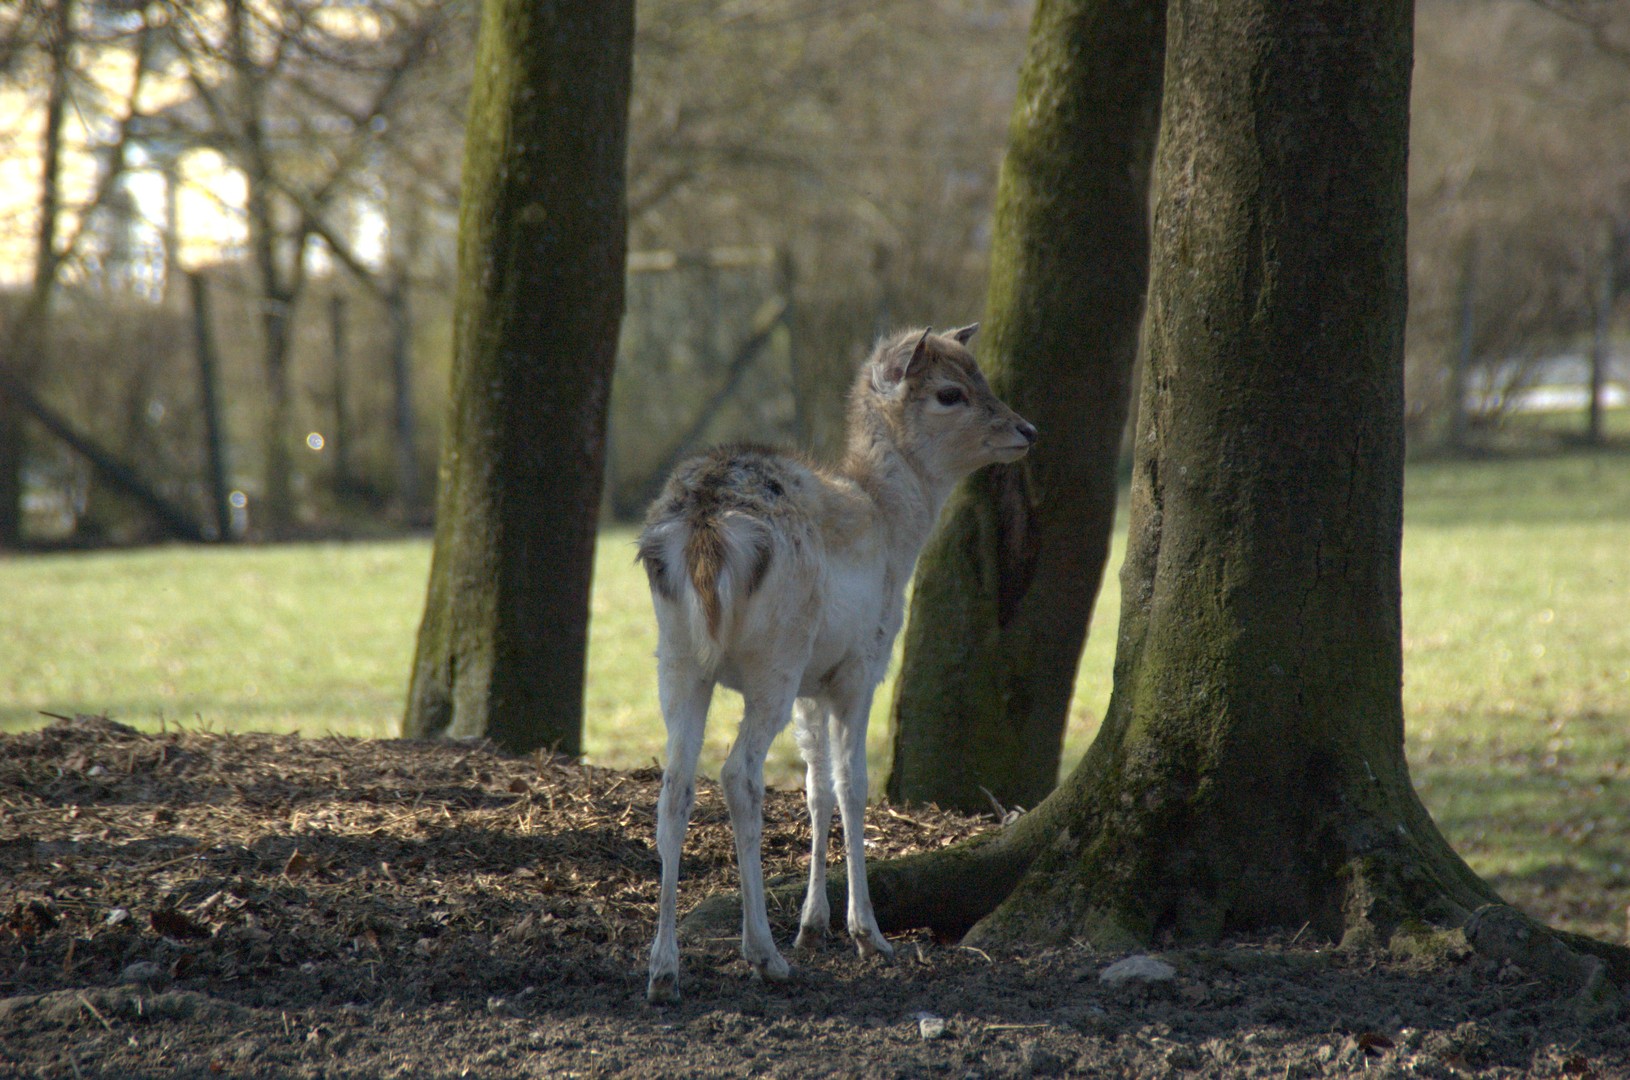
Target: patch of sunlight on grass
[(1516, 579), (313, 638)]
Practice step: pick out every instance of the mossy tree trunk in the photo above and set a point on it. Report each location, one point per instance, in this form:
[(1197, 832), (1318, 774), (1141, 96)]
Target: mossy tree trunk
[(1005, 591), (542, 238), (1250, 773)]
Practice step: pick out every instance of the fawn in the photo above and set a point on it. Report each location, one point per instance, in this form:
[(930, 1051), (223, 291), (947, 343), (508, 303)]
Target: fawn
[(786, 581)]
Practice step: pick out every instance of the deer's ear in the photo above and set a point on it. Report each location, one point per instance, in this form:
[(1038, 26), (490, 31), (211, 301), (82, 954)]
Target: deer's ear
[(919, 356), (962, 336), (895, 368)]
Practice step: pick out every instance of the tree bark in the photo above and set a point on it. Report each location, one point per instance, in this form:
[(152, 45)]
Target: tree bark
[(1005, 591), (502, 647)]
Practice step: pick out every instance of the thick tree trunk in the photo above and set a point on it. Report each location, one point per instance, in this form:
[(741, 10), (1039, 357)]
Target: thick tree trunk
[(1005, 591), (1251, 770), (502, 647)]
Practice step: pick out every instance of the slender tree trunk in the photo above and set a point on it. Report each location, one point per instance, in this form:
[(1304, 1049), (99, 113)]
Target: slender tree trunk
[(281, 279), (277, 498), (407, 228), (1601, 346), (340, 443), (209, 393), (403, 421), (1460, 363), (13, 450), (32, 340), (1005, 591), (542, 247)]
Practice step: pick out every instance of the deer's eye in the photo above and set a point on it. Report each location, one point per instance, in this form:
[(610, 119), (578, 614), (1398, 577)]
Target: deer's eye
[(951, 395)]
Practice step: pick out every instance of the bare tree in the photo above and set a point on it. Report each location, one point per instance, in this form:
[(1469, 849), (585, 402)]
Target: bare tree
[(26, 348), (861, 138), (1516, 176), (304, 99), (31, 339)]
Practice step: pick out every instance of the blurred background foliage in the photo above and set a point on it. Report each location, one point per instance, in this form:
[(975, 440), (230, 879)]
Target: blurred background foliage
[(802, 175)]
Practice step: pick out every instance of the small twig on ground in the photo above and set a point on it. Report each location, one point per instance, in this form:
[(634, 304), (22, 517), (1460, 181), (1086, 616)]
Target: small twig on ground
[(193, 854), (94, 1011)]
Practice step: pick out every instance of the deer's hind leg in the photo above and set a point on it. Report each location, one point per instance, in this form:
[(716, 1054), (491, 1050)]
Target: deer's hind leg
[(768, 706), (685, 694)]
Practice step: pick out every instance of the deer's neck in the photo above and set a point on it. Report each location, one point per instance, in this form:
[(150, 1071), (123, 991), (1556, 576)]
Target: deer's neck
[(905, 497)]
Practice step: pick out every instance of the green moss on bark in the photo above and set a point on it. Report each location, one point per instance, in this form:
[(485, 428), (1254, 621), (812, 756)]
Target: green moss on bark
[(1005, 591)]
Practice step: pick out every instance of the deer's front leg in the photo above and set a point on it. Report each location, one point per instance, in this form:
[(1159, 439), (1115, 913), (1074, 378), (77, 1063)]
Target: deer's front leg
[(849, 769)]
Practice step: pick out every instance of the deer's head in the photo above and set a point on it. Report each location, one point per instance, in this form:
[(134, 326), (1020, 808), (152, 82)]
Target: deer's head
[(936, 402)]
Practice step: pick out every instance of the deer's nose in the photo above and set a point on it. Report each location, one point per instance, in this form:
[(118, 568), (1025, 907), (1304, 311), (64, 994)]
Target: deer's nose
[(1028, 430)]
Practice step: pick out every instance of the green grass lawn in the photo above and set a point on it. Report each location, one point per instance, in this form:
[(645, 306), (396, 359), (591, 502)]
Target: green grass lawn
[(1517, 659)]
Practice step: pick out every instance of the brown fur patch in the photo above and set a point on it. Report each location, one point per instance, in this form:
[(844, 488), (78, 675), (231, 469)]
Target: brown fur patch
[(704, 558), (744, 479)]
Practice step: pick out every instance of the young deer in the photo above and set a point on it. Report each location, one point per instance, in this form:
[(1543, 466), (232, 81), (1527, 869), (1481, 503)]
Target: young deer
[(786, 582)]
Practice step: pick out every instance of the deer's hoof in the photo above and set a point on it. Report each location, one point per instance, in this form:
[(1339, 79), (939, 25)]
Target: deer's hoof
[(874, 944), (810, 937), (772, 969), (663, 989)]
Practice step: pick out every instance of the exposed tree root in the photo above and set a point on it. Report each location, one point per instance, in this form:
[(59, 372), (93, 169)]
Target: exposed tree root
[(998, 891)]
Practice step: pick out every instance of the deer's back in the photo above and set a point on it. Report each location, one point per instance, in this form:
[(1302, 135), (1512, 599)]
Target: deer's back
[(753, 551)]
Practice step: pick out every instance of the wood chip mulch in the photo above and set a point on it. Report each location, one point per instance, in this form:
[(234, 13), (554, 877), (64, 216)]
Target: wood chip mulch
[(257, 859)]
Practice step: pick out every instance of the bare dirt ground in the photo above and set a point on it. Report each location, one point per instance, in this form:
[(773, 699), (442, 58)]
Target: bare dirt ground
[(203, 905)]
